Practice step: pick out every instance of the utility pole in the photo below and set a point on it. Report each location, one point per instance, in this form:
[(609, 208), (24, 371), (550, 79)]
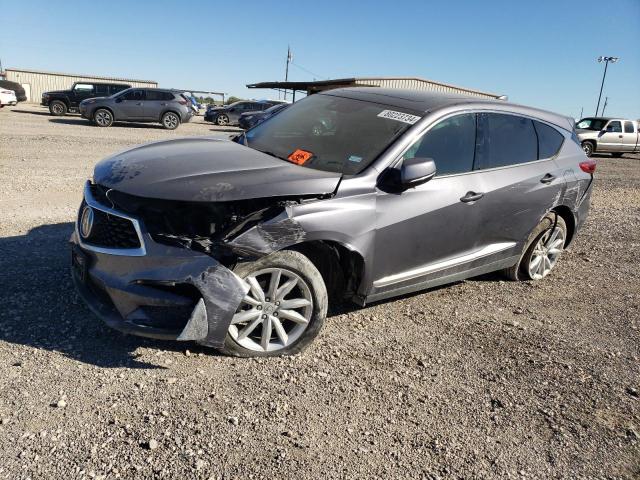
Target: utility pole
[(606, 100), (606, 61), (286, 71)]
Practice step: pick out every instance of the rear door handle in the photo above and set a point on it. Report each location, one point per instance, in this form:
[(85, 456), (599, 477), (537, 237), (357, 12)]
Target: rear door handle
[(548, 178), (472, 197)]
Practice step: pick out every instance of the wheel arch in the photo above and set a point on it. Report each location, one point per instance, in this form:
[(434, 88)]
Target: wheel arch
[(341, 266), (170, 110), (109, 109), (569, 219), (592, 142)]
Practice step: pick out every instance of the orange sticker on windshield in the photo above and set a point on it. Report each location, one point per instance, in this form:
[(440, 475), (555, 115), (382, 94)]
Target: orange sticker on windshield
[(300, 157)]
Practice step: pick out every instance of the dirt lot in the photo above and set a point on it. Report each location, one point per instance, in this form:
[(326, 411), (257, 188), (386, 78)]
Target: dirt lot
[(483, 378)]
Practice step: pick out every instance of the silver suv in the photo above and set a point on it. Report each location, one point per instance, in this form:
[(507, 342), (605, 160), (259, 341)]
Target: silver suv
[(608, 135), (241, 245), (168, 107)]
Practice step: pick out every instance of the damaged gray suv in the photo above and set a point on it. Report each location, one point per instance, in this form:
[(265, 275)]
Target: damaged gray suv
[(356, 193)]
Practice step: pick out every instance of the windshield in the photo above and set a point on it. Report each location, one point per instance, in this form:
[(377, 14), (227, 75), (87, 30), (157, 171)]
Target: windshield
[(591, 124), (331, 133)]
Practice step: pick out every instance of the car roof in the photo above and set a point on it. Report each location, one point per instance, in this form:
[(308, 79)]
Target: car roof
[(427, 101)]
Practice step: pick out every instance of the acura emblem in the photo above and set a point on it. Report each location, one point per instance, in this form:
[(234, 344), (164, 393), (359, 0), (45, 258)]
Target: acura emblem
[(86, 222)]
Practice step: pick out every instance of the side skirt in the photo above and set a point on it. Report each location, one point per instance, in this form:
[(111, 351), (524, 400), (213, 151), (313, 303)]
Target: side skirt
[(443, 280)]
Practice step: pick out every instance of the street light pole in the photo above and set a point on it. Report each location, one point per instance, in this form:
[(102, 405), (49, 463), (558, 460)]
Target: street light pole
[(606, 101), (606, 61)]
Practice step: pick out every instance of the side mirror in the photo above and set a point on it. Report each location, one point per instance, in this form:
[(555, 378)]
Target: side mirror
[(416, 171)]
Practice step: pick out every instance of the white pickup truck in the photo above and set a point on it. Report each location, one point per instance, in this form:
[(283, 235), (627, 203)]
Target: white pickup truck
[(608, 135)]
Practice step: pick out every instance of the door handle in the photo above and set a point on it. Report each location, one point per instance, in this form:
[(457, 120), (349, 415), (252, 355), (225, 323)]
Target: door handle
[(548, 178), (472, 197), (139, 103), (619, 136)]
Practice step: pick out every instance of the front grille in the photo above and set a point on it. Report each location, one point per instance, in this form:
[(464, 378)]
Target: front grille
[(111, 231)]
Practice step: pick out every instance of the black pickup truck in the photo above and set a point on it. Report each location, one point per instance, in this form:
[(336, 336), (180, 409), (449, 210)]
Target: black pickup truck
[(62, 101)]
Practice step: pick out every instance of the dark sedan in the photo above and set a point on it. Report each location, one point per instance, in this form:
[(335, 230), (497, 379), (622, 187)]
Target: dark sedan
[(230, 114), (251, 119)]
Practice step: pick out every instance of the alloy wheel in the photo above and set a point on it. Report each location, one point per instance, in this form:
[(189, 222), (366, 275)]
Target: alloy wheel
[(274, 313), (587, 148), (223, 120), (103, 118), (171, 121), (546, 253)]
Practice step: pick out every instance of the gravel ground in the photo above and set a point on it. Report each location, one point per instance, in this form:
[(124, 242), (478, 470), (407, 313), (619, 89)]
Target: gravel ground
[(482, 378)]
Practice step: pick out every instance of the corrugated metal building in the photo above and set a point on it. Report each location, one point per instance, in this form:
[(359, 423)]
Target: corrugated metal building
[(36, 83), (413, 83)]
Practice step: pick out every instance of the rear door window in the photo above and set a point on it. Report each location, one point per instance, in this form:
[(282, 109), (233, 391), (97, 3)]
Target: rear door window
[(450, 143), (154, 95), (134, 95), (116, 88), (503, 140), (102, 90), (628, 127), (549, 140)]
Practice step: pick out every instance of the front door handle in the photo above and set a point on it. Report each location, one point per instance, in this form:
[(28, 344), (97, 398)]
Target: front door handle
[(548, 178), (619, 136), (472, 197), (139, 103)]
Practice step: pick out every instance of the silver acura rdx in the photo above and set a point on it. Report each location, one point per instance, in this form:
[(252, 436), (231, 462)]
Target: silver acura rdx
[(361, 194)]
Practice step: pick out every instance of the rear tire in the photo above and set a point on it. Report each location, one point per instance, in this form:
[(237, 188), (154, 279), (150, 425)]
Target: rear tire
[(170, 121), (588, 148), (545, 243), (57, 108), (103, 117), (299, 325)]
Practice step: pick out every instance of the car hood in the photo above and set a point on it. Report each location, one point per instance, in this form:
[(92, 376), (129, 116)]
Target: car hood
[(52, 92), (208, 169), (584, 133)]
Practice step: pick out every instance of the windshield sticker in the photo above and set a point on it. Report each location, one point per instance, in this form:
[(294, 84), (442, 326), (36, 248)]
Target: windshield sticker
[(399, 116), (355, 158), (300, 157)]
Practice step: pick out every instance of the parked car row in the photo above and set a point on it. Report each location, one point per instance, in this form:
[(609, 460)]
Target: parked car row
[(11, 93), (230, 114), (608, 135), (105, 103)]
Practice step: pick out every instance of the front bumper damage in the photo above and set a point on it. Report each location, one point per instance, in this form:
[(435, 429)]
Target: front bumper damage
[(169, 293), (173, 292), (155, 290)]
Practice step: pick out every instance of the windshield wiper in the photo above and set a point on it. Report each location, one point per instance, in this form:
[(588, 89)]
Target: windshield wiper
[(274, 155)]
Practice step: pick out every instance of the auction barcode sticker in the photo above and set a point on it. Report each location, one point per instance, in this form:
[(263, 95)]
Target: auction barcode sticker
[(399, 116)]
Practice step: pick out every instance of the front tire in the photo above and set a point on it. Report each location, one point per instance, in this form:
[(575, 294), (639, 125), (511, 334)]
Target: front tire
[(222, 120), (284, 310), (103, 117), (546, 244), (170, 121), (57, 108), (588, 148)]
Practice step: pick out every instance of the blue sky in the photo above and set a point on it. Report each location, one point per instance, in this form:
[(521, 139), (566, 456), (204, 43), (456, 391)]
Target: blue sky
[(539, 52)]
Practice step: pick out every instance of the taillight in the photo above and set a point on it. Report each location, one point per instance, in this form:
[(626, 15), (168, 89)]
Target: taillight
[(588, 167)]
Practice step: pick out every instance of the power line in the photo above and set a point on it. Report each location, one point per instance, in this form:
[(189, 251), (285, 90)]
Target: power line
[(308, 71)]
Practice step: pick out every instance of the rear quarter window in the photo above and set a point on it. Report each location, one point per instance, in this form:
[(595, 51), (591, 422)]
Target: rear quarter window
[(503, 140), (549, 140)]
